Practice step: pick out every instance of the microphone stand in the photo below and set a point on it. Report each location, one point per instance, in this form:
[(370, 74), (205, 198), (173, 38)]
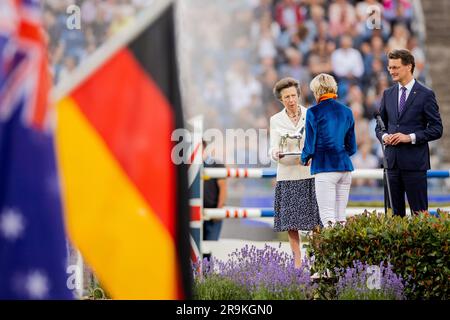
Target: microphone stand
[(386, 184)]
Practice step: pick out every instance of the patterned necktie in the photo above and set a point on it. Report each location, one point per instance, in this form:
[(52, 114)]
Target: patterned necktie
[(401, 105)]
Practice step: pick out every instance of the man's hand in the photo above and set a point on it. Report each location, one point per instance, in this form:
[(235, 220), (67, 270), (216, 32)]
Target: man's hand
[(397, 138), (387, 139)]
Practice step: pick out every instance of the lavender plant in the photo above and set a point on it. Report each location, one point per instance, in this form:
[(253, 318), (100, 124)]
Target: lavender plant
[(354, 283), (266, 273)]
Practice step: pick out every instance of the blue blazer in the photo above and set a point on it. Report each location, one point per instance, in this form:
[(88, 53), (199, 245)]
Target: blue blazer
[(420, 116), (330, 137)]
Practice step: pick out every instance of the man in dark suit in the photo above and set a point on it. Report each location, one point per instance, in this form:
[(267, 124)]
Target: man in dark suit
[(411, 115)]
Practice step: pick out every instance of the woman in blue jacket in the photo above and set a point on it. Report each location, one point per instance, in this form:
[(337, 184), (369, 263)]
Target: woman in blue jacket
[(329, 143)]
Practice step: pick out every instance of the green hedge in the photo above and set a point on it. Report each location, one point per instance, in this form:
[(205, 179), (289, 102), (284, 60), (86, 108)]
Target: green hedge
[(417, 247)]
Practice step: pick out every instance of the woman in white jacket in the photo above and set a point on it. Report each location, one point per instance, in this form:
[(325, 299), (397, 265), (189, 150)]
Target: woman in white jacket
[(295, 202)]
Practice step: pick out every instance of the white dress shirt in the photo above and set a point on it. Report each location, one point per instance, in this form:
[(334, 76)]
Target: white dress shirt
[(408, 87)]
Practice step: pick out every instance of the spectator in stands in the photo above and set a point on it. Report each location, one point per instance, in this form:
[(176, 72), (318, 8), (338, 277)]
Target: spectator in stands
[(364, 159), (368, 12), (123, 15), (399, 38), (100, 26), (362, 131), (375, 50), (214, 196), (269, 78), (347, 61), (398, 11), (342, 17), (347, 65), (364, 9), (320, 57), (295, 199), (300, 40), (73, 42), (295, 68), (288, 14), (243, 87), (419, 57), (70, 62), (266, 43), (312, 24)]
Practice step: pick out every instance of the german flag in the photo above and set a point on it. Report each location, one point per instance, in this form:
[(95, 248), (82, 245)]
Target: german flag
[(126, 202)]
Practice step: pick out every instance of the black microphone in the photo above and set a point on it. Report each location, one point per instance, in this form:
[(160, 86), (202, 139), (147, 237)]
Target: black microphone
[(380, 122)]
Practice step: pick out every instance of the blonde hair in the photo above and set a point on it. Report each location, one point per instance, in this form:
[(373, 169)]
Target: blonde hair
[(323, 83)]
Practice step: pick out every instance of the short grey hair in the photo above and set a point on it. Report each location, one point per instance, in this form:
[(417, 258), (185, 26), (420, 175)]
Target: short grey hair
[(322, 84), (284, 84)]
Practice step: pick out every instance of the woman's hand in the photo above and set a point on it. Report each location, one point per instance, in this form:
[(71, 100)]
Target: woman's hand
[(276, 155), (307, 164)]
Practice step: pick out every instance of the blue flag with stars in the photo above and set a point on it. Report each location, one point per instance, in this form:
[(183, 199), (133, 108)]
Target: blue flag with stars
[(32, 239)]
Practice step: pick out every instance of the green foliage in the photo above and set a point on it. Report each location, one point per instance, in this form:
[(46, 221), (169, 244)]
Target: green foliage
[(417, 247), (326, 288), (289, 293), (380, 204), (95, 291), (353, 294), (217, 287)]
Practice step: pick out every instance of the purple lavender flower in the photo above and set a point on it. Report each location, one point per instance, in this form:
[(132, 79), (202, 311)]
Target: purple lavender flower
[(353, 283), (267, 273)]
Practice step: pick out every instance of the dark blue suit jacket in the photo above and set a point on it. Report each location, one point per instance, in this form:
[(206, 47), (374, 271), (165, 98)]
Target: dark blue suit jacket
[(330, 137), (420, 116)]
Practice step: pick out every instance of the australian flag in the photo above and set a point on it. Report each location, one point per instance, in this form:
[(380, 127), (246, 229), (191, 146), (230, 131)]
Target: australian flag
[(32, 240)]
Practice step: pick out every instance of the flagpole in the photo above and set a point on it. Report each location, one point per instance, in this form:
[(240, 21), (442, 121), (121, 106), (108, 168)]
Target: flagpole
[(104, 52)]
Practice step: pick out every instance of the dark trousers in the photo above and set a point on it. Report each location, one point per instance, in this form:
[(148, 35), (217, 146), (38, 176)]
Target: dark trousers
[(211, 229), (414, 183)]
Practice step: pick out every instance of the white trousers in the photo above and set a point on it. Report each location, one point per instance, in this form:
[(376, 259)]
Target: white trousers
[(332, 191)]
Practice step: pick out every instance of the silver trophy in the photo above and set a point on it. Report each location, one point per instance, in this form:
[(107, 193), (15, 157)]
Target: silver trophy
[(291, 149)]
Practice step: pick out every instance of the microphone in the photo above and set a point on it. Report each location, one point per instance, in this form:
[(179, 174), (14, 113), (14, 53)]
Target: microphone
[(380, 122)]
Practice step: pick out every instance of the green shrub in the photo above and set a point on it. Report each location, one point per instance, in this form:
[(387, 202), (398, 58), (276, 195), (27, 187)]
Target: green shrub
[(417, 247), (216, 287)]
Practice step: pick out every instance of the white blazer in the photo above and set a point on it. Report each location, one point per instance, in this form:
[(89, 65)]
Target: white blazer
[(289, 167)]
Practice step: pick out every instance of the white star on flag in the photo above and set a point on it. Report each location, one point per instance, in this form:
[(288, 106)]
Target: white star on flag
[(12, 224), (37, 285)]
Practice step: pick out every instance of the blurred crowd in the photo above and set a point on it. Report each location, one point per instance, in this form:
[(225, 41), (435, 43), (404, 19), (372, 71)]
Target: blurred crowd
[(266, 40), (233, 51), (100, 20)]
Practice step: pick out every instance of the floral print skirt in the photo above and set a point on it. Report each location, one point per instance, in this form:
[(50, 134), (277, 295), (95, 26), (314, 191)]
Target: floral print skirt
[(296, 206)]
